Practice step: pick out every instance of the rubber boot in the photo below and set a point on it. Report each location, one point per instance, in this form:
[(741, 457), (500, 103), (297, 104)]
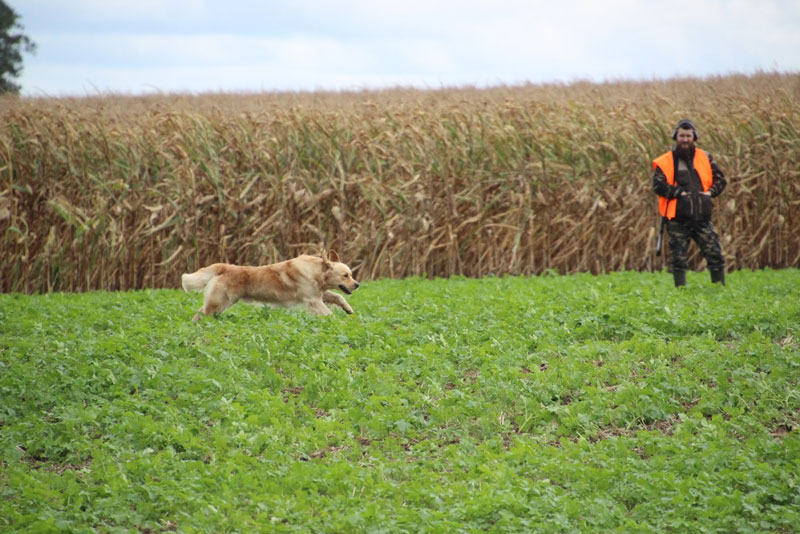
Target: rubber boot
[(718, 276), (680, 278)]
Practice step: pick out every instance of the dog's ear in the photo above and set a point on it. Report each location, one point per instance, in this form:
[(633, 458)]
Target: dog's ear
[(333, 256)]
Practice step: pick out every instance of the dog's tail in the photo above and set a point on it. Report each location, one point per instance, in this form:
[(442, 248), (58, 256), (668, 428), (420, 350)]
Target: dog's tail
[(198, 280)]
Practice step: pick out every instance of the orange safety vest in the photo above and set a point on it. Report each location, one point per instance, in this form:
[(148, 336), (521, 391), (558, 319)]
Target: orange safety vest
[(701, 164)]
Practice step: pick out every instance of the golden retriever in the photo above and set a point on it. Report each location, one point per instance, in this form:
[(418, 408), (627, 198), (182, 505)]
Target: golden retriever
[(302, 281)]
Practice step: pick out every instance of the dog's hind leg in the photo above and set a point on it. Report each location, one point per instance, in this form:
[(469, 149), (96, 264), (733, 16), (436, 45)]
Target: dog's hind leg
[(215, 300), (335, 298)]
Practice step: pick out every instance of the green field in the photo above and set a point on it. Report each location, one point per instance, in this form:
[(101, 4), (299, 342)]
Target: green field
[(582, 403)]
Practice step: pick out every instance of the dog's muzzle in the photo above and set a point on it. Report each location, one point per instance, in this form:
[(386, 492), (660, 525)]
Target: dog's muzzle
[(347, 289)]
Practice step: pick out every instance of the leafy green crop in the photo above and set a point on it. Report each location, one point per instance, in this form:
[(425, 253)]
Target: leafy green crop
[(581, 403)]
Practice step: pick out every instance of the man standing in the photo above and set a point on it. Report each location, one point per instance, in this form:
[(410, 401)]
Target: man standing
[(686, 179)]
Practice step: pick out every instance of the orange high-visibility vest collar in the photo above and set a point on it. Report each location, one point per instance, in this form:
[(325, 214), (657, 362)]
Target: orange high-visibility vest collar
[(665, 162)]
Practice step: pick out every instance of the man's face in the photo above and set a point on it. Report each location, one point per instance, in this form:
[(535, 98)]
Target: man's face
[(685, 138)]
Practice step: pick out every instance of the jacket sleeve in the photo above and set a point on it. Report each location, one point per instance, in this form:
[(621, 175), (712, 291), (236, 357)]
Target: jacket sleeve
[(662, 188), (718, 181)]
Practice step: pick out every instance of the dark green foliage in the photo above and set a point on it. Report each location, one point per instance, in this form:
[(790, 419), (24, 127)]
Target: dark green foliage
[(11, 47)]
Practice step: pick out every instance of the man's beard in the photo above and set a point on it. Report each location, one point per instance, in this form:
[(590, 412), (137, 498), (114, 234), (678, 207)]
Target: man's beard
[(685, 152)]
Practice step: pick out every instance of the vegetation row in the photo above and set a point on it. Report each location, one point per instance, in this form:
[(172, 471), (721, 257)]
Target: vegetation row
[(116, 192)]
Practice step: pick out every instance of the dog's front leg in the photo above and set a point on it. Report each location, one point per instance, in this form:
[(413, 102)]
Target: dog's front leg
[(335, 298), (317, 307)]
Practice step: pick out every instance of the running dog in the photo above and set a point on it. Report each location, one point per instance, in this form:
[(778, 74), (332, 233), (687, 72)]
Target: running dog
[(302, 281)]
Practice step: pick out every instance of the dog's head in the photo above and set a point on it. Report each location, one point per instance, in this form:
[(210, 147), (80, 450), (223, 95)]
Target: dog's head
[(337, 275)]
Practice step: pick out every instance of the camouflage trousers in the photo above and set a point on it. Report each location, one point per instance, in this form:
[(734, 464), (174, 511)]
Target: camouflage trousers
[(681, 232)]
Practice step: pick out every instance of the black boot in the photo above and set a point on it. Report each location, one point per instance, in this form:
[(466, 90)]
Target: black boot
[(680, 278), (718, 276)]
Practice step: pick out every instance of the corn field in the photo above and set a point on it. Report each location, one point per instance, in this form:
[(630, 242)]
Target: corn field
[(120, 192)]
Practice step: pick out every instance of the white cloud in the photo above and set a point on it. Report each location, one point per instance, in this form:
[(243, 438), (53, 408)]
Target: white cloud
[(311, 44)]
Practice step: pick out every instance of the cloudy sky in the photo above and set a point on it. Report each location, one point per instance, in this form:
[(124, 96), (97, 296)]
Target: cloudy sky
[(89, 47)]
